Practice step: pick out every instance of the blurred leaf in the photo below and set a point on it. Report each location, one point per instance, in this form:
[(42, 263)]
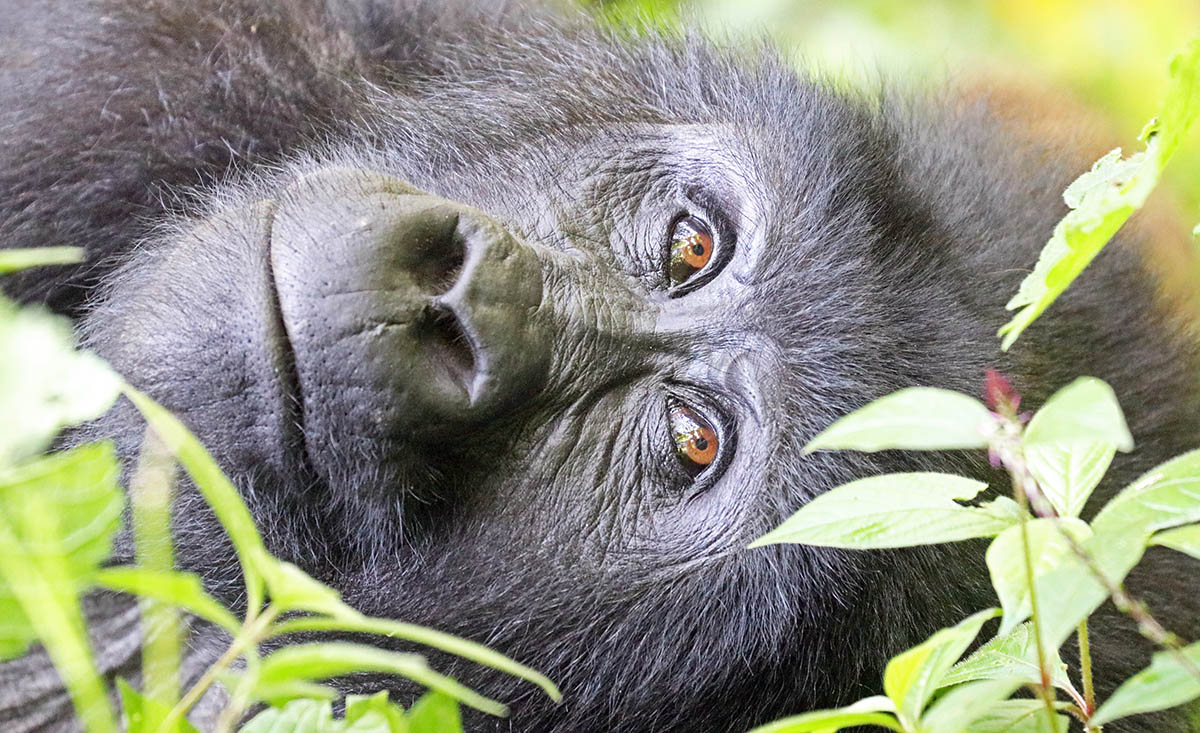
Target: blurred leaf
[(1009, 656), (868, 711), (12, 260), (1067, 473), (220, 494), (1084, 410), (911, 677), (435, 713), (371, 712), (298, 716), (1104, 198), (173, 587), (962, 705), (351, 620), (894, 510), (915, 418), (1006, 562), (1182, 539), (58, 517), (1164, 684), (45, 384), (145, 715), (324, 660), (292, 589), (1018, 716)]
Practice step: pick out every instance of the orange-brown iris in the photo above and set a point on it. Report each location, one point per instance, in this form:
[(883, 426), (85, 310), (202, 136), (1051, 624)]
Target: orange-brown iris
[(691, 248), (696, 442)]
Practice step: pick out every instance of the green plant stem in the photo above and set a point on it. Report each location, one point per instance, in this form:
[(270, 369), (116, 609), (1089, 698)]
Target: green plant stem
[(1044, 689), (1085, 667), (252, 633), (150, 499)]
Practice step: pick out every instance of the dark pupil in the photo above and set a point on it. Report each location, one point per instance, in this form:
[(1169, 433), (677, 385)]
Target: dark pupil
[(697, 249), (701, 443)]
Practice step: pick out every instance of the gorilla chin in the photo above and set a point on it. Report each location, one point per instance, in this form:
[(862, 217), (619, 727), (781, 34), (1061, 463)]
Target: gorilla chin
[(515, 326)]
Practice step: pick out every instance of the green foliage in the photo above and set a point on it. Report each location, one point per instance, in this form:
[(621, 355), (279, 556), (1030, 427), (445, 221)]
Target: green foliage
[(917, 418), (58, 517), (1102, 199)]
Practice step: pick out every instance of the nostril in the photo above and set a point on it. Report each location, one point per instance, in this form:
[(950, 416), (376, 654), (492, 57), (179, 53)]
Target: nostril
[(448, 346), (439, 258)]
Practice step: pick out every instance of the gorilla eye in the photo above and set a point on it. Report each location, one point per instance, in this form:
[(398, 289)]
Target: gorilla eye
[(692, 248), (696, 441)]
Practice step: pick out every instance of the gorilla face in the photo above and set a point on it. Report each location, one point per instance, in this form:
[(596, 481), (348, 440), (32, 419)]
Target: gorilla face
[(516, 329)]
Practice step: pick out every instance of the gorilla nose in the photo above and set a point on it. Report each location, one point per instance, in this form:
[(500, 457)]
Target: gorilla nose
[(407, 314)]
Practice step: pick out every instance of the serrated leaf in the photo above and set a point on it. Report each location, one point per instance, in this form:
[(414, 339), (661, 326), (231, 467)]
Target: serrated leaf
[(868, 711), (1068, 473), (1018, 716), (1009, 656), (325, 660), (351, 620), (175, 588), (142, 714), (1006, 561), (962, 705), (435, 713), (1164, 497), (1084, 410), (911, 677), (1166, 683), (916, 418), (1105, 197), (45, 384), (14, 260), (1181, 539), (894, 510)]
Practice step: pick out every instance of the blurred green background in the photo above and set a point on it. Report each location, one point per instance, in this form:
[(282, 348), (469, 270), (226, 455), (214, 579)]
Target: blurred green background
[(1104, 61)]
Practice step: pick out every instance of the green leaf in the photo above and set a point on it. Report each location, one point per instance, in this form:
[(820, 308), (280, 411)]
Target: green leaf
[(280, 694), (1084, 410), (292, 589), (1067, 473), (172, 587), (1167, 682), (220, 494), (962, 705), (894, 510), (1018, 716), (435, 713), (1183, 539), (298, 716), (1104, 198), (911, 677), (45, 384), (1009, 656), (58, 517), (142, 714), (916, 418), (1006, 561), (368, 713), (351, 620), (323, 660), (13, 260), (1164, 497), (868, 711)]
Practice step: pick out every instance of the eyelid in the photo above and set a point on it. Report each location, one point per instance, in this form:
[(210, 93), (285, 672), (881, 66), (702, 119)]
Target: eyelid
[(724, 240), (696, 400)]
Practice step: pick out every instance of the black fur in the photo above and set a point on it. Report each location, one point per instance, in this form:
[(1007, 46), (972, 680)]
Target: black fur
[(886, 235)]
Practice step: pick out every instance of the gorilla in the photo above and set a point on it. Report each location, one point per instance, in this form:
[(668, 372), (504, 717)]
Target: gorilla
[(514, 325)]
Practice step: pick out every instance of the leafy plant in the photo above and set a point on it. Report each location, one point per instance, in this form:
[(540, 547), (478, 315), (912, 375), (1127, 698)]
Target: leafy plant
[(59, 514)]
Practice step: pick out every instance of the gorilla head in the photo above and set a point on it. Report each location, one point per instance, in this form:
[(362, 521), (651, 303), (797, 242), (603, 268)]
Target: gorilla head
[(514, 328)]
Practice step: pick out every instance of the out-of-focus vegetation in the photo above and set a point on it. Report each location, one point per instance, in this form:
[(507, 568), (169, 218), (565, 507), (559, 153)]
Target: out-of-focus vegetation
[(1098, 58)]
